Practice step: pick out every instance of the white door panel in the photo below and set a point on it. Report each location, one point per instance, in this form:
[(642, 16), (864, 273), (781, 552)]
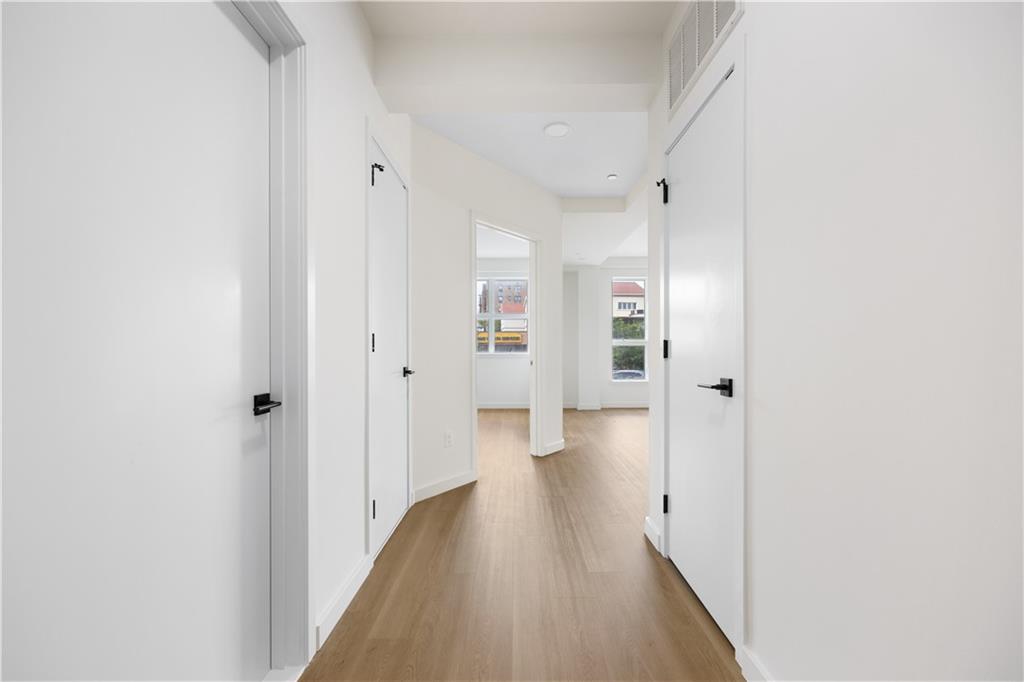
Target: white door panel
[(388, 387), (705, 298), (136, 332)]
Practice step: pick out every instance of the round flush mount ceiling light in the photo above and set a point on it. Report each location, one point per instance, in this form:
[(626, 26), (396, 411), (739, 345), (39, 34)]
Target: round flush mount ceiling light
[(556, 129), (613, 177)]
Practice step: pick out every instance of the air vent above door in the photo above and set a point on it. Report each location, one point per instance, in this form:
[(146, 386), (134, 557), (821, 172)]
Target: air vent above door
[(695, 42)]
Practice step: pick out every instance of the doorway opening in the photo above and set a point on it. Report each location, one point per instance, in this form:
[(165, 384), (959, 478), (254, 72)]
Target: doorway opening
[(505, 335)]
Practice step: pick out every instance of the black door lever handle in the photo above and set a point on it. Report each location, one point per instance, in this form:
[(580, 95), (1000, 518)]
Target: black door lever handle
[(406, 371), (262, 404), (724, 387)]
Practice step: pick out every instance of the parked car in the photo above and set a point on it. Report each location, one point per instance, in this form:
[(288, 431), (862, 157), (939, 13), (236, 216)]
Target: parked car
[(628, 375)]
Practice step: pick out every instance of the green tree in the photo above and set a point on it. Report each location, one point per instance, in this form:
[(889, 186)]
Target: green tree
[(628, 357), (627, 327)]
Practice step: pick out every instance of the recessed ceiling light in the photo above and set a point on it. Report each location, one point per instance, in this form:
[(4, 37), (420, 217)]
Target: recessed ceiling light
[(613, 176), (556, 129)]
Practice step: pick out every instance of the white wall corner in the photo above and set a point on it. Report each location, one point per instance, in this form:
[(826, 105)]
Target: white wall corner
[(332, 613), (653, 533), (751, 666), (442, 486)]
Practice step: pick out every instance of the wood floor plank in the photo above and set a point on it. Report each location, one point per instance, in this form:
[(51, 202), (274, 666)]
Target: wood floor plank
[(538, 571)]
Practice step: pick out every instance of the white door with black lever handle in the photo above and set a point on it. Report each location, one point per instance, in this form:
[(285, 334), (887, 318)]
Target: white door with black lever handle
[(705, 307), (390, 374), (136, 267)]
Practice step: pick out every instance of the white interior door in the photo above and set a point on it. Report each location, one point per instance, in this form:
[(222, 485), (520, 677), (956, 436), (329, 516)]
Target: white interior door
[(135, 335), (705, 433), (389, 349)]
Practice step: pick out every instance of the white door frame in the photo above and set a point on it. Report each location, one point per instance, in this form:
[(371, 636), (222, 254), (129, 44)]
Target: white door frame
[(1, 334), (291, 625), (732, 55), (534, 326), (372, 138)]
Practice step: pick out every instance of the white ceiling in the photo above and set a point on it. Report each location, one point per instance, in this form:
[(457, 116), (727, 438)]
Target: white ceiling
[(497, 244), (407, 19), (576, 165)]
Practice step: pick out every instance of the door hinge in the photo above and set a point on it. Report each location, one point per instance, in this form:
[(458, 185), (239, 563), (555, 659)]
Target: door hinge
[(373, 343), (374, 505), (663, 184), (373, 173), (665, 348), (664, 504)]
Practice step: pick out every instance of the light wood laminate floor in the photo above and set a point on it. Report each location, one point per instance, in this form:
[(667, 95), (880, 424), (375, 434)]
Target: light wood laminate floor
[(538, 571)]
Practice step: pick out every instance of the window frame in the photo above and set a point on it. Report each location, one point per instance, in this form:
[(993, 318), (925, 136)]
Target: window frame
[(492, 316), (635, 343)]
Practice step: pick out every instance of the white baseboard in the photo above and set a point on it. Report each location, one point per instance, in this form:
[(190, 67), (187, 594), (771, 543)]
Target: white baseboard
[(750, 664), (291, 674), (652, 533), (330, 616), (444, 486), (585, 407), (503, 406), (626, 405)]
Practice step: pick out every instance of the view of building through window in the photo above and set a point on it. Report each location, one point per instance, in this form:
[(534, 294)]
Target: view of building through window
[(502, 324), (629, 330)]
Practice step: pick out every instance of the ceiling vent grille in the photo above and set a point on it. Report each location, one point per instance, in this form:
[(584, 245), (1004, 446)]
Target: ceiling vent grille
[(675, 78), (695, 42)]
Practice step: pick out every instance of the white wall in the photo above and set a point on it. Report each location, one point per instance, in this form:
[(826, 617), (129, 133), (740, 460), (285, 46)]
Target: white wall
[(553, 72), (883, 340), (588, 360), (588, 352), (342, 104), (503, 379), (451, 186), (570, 338)]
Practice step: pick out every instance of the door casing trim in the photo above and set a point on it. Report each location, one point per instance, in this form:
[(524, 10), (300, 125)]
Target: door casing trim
[(535, 326), (291, 625)]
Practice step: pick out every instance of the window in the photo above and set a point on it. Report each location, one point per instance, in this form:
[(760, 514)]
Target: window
[(502, 316), (629, 330)]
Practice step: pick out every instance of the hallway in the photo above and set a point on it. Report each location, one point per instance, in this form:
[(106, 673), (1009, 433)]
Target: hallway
[(538, 571)]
